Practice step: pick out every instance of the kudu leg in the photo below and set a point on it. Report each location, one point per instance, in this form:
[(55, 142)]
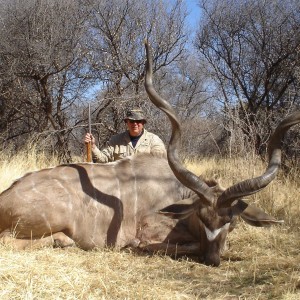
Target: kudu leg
[(158, 233), (58, 239), (170, 249)]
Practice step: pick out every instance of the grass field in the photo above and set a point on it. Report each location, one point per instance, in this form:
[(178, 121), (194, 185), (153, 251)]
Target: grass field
[(259, 264)]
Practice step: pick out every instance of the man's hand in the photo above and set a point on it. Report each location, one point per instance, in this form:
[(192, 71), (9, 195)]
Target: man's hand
[(89, 138)]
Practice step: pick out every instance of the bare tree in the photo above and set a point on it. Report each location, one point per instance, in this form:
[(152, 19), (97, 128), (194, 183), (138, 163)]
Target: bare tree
[(115, 44), (184, 84), (252, 49), (57, 55), (41, 70)]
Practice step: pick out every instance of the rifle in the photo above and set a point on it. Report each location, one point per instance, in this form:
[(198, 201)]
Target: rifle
[(89, 145)]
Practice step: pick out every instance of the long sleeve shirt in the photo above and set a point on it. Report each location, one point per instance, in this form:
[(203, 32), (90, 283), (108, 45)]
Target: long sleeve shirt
[(120, 146)]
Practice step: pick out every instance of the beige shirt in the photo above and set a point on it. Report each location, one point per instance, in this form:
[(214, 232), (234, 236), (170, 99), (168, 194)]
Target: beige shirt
[(120, 146)]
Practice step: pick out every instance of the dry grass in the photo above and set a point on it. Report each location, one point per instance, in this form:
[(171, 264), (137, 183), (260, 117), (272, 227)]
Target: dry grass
[(13, 167), (260, 264), (280, 198)]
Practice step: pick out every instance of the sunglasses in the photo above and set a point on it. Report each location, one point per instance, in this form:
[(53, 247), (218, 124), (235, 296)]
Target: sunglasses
[(136, 121)]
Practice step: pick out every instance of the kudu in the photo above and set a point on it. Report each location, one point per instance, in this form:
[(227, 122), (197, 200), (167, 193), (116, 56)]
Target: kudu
[(136, 202)]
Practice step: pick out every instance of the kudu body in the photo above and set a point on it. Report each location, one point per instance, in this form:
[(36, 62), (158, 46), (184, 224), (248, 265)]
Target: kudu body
[(135, 202)]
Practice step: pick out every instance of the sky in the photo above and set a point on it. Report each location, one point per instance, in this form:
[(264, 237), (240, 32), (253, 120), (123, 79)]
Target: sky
[(194, 12)]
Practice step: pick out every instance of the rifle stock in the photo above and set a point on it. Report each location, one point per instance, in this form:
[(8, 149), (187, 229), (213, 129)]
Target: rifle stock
[(88, 152), (89, 145)]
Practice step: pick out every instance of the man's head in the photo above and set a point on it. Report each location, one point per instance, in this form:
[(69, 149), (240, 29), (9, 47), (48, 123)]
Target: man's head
[(135, 121)]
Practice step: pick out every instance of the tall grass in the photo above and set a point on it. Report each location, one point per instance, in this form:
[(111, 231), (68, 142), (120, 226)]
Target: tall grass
[(14, 166), (259, 264), (280, 198)]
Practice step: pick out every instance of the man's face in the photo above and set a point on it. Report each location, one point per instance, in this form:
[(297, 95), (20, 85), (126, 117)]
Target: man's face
[(135, 127)]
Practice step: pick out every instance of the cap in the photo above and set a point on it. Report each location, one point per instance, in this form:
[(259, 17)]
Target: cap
[(135, 114)]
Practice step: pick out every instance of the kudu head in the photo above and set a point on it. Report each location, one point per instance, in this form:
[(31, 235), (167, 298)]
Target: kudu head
[(212, 208)]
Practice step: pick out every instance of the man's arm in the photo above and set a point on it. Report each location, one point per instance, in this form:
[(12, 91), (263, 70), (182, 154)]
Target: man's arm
[(100, 156), (157, 145)]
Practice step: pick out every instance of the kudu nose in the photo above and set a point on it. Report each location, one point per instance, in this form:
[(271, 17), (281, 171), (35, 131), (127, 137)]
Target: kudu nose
[(212, 263), (212, 260)]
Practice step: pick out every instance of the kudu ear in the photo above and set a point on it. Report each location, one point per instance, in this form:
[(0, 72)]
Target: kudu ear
[(256, 217), (181, 209)]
